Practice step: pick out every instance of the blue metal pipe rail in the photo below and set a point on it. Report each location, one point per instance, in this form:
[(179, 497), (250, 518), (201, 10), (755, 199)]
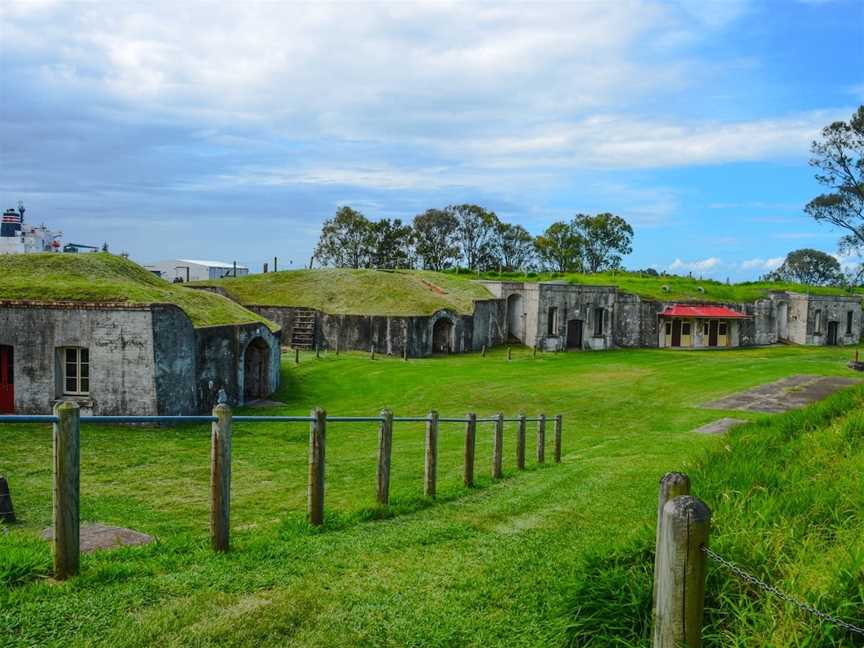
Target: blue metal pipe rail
[(50, 418)]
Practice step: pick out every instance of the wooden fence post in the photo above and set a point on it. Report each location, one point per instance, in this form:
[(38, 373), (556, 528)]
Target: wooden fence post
[(509, 353), (483, 351), (317, 435), (220, 478), (541, 439), (680, 568), (296, 355), (317, 352), (520, 443), (372, 352), (431, 467), (470, 442), (497, 447), (67, 476), (385, 449), (558, 422), (672, 485)]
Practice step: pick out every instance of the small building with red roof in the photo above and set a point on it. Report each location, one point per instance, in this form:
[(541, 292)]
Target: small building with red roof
[(700, 326)]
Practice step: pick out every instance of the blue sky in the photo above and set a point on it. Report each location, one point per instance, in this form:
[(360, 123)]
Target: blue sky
[(231, 130)]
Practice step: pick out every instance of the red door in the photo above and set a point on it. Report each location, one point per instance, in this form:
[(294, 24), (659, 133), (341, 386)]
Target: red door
[(7, 382)]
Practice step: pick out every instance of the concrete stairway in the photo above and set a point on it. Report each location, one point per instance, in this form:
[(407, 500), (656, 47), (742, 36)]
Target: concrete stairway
[(303, 331)]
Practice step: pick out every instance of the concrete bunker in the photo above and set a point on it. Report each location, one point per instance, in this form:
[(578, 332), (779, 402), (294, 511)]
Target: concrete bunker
[(256, 369)]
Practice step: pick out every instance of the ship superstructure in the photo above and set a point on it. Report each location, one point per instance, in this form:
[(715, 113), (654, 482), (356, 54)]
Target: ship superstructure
[(17, 237)]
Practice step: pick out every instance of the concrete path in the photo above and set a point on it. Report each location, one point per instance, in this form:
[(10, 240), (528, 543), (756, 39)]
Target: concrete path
[(789, 393)]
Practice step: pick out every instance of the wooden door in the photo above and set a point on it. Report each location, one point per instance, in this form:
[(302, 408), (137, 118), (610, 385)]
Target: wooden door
[(832, 333), (713, 325), (574, 334), (7, 380), (676, 333)]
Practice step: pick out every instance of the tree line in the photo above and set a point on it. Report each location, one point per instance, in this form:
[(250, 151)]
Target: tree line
[(471, 237)]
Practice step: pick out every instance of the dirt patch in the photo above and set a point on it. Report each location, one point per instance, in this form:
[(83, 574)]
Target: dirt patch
[(783, 395), (100, 536)]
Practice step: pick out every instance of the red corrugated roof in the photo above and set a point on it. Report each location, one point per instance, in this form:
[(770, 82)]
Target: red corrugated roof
[(702, 312)]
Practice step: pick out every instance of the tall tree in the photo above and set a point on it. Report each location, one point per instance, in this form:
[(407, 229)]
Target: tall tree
[(514, 246), (809, 267), (560, 248), (475, 235), (346, 240), (391, 244), (606, 238), (838, 157), (435, 239)]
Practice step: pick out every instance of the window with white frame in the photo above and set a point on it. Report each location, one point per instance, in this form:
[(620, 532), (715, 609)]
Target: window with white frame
[(76, 371)]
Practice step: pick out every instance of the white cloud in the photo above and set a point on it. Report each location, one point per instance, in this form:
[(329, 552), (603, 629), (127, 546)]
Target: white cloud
[(762, 264), (704, 265)]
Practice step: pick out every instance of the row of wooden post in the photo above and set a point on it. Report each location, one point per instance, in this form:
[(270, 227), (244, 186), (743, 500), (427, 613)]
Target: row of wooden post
[(67, 470)]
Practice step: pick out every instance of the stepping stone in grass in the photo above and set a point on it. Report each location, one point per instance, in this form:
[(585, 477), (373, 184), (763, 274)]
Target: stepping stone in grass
[(100, 536), (719, 427)]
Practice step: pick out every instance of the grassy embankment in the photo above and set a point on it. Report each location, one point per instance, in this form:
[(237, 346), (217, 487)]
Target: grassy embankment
[(508, 563), (103, 277), (414, 292), (357, 292)]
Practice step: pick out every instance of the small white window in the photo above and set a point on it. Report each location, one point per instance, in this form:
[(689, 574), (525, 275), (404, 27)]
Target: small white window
[(76, 371)]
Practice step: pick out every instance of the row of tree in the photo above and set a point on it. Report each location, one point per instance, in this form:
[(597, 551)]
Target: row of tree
[(469, 236)]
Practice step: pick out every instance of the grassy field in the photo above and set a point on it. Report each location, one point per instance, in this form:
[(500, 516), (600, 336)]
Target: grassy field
[(357, 292), (103, 277), (557, 555)]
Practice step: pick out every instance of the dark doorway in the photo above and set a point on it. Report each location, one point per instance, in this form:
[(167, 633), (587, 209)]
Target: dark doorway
[(676, 333), (256, 370), (7, 380), (712, 333), (574, 334), (442, 336), (832, 334)]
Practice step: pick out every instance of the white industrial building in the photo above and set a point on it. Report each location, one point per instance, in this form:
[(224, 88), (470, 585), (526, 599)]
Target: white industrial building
[(195, 269)]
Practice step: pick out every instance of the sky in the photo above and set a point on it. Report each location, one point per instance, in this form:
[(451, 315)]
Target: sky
[(230, 131)]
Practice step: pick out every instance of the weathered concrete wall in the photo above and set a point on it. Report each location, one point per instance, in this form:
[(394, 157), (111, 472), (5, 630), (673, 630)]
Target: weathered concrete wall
[(575, 302), (175, 361), (823, 310), (392, 333), (119, 339), (220, 361)]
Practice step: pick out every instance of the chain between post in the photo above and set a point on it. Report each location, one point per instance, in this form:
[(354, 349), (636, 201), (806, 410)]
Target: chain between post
[(783, 596)]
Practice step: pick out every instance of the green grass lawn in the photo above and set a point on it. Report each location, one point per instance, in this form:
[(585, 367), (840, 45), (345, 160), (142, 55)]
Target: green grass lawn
[(102, 277), (539, 558)]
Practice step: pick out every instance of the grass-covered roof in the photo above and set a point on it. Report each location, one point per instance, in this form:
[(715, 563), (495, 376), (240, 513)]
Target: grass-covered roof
[(413, 292), (358, 292), (102, 277), (679, 288)]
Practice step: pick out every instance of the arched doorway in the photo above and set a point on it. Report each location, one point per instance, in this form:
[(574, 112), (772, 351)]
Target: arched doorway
[(442, 336), (256, 370), (515, 317)]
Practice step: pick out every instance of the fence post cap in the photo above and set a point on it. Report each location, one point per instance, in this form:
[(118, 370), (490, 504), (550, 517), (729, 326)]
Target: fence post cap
[(675, 478), (66, 405), (221, 408)]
